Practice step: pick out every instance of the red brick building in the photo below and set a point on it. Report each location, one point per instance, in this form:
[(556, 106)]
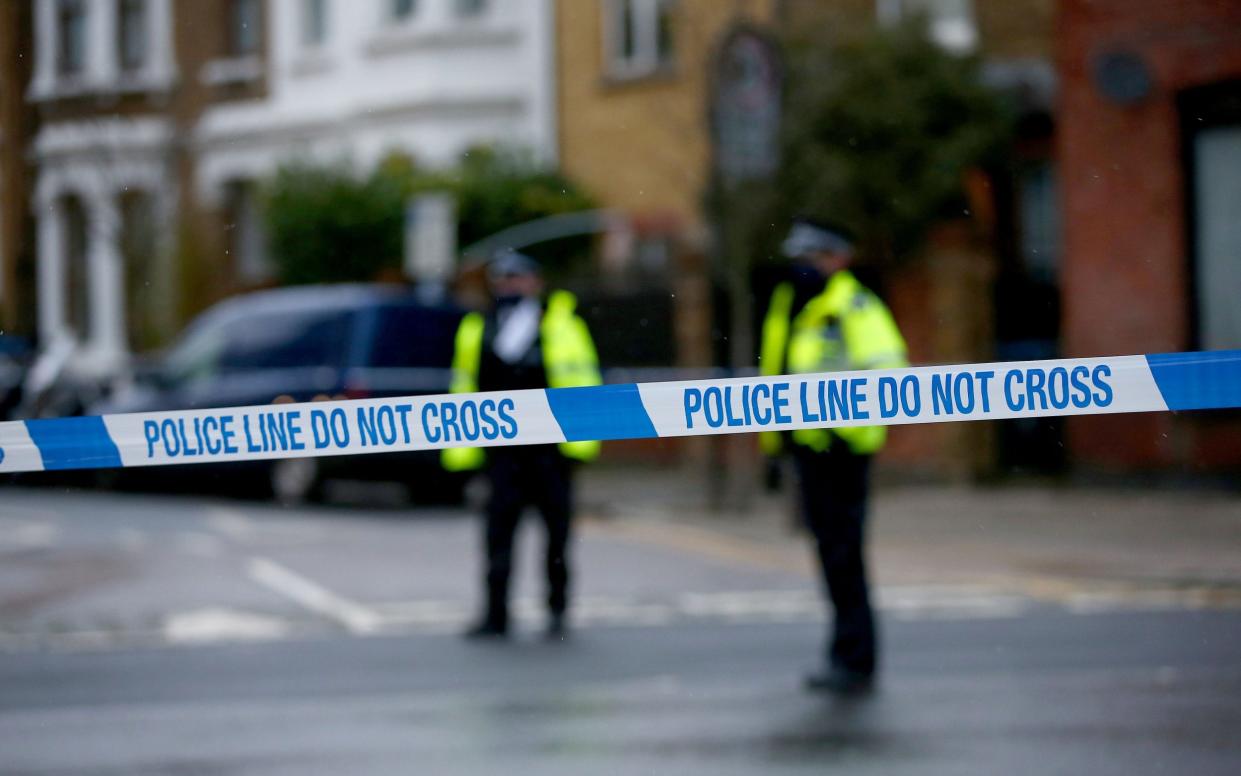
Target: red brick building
[(1149, 152)]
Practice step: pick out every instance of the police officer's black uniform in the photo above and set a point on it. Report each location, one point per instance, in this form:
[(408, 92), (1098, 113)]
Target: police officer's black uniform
[(534, 475)]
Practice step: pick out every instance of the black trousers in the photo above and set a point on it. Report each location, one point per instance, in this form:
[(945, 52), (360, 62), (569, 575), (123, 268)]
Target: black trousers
[(536, 476), (834, 488)]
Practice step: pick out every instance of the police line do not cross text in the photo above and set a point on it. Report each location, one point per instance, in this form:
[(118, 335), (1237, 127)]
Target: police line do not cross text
[(912, 397), (1086, 386)]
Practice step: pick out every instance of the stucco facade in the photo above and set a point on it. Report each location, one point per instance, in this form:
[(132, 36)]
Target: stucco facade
[(161, 115)]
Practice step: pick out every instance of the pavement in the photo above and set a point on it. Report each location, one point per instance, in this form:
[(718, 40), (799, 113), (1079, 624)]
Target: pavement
[(1026, 630), (1076, 546)]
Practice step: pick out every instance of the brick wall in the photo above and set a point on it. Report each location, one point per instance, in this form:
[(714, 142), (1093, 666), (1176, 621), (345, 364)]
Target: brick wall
[(16, 126), (202, 272), (1126, 277)]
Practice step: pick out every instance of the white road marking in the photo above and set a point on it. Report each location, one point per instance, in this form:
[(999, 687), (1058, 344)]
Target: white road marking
[(780, 604), (621, 611), (1105, 601), (15, 512), (745, 606), (355, 617), (949, 602), (203, 626), (443, 616), (233, 523), (132, 539), (27, 534), (199, 544), (423, 613)]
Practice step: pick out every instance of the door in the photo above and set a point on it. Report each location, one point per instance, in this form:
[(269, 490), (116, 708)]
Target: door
[(1217, 235)]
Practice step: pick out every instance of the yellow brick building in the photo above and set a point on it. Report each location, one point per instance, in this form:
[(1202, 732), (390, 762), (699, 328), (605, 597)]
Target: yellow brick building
[(633, 78), (633, 83)]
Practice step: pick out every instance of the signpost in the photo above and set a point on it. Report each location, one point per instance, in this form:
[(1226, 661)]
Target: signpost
[(747, 84)]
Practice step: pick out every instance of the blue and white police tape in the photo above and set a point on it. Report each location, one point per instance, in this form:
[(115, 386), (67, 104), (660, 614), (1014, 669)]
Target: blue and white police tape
[(935, 394)]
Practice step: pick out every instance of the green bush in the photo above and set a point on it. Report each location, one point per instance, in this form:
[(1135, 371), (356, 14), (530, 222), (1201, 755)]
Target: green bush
[(327, 224), (880, 131)]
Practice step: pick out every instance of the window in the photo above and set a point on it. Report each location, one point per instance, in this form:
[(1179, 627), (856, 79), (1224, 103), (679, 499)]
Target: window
[(950, 22), (403, 10), (247, 342), (468, 8), (138, 236), (132, 33), (244, 27), (1040, 222), (70, 37), (247, 241), (1216, 159), (77, 243), (639, 35), (665, 40), (289, 340), (314, 22)]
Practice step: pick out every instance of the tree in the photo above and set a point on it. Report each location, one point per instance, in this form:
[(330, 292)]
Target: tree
[(880, 132), (499, 188), (327, 224)]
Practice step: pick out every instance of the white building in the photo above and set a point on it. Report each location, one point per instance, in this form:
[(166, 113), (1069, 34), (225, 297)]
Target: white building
[(153, 110), (356, 80)]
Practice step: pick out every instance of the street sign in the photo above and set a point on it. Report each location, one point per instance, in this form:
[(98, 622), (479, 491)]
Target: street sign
[(431, 237), (745, 107)]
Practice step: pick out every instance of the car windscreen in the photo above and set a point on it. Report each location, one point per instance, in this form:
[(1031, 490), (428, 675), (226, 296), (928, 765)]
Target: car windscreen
[(263, 340)]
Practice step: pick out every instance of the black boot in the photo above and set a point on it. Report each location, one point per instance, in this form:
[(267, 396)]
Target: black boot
[(493, 624), (557, 627), (486, 628), (494, 621), (840, 681)]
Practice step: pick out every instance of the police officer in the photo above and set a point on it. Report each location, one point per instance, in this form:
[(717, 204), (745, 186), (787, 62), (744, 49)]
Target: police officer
[(523, 342), (824, 320)]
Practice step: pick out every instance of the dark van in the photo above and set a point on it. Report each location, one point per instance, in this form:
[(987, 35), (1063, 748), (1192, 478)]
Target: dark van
[(352, 341)]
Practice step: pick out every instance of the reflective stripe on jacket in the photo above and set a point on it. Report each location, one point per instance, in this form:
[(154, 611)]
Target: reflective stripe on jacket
[(569, 359), (845, 327)]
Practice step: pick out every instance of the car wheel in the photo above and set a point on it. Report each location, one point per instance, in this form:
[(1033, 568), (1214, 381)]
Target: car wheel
[(296, 481)]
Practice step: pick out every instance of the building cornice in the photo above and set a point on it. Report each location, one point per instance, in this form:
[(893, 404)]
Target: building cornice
[(224, 127), (112, 135)]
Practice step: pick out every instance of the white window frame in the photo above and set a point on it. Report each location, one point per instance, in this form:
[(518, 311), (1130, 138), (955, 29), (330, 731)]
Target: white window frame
[(646, 58), (101, 72)]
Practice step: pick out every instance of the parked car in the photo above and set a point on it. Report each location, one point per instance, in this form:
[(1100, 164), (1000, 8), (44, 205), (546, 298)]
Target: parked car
[(351, 341)]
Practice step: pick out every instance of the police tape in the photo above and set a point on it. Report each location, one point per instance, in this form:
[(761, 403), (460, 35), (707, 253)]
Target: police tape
[(928, 394)]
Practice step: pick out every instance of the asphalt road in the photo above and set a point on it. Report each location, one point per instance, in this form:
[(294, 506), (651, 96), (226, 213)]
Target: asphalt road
[(147, 635)]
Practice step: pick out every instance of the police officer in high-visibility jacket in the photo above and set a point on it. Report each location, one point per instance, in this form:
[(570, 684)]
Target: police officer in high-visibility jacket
[(823, 321), (524, 342)]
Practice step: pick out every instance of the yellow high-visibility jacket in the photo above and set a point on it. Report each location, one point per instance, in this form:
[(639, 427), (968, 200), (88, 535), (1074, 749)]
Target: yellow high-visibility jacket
[(845, 327), (569, 358)]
